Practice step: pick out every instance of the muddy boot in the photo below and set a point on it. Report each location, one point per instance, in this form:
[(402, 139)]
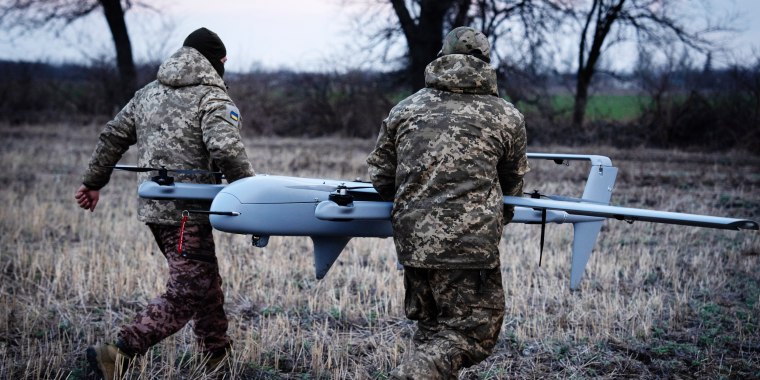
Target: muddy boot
[(108, 361)]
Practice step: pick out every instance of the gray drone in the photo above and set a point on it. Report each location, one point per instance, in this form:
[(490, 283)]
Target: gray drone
[(332, 212)]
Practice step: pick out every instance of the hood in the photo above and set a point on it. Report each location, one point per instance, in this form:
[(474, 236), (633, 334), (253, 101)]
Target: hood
[(461, 73), (188, 67)]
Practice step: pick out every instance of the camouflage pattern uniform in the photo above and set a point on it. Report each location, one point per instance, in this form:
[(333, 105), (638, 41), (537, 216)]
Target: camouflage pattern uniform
[(183, 120), (446, 155)]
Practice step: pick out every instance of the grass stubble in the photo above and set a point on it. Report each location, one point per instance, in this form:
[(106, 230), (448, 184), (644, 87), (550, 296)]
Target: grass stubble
[(656, 301)]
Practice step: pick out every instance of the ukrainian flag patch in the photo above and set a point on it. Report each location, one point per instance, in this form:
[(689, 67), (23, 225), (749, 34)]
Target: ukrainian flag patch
[(231, 115)]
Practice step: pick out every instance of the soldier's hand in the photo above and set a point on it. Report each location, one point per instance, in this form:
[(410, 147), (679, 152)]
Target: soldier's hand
[(87, 198), (509, 213)]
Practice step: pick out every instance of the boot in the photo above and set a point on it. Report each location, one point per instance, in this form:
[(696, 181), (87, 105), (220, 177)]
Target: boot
[(218, 360), (108, 361)]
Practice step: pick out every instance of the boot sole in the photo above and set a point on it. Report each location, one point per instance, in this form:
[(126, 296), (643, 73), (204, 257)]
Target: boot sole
[(92, 358)]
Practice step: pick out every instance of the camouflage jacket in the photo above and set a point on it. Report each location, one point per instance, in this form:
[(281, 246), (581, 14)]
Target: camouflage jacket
[(445, 155), (183, 120)]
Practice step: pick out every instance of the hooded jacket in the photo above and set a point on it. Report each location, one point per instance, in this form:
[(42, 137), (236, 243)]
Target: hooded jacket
[(183, 120), (445, 155)]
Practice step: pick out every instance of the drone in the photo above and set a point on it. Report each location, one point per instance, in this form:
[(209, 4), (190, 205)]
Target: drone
[(332, 212)]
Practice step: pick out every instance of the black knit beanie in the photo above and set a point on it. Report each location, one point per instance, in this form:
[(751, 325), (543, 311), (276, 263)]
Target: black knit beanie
[(210, 45)]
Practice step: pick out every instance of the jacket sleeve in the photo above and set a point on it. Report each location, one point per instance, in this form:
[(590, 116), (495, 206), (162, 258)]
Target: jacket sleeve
[(513, 165), (382, 163), (220, 123), (116, 138)]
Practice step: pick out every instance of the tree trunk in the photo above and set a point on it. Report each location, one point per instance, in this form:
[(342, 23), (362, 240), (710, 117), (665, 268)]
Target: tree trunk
[(427, 39), (581, 97), (605, 17), (124, 60)]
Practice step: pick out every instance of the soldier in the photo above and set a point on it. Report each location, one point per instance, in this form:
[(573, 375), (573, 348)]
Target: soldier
[(445, 156), (183, 120)]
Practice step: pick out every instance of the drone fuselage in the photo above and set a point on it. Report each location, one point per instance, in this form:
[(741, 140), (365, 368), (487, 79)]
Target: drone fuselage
[(285, 206)]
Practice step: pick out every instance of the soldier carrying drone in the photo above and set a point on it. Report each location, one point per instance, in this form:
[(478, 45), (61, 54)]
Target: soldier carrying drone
[(184, 119)]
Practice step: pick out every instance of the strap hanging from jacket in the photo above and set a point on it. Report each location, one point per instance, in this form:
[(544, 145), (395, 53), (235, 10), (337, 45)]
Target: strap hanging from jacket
[(185, 214)]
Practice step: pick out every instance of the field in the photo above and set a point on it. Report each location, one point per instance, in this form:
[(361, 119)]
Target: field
[(657, 301), (608, 107)]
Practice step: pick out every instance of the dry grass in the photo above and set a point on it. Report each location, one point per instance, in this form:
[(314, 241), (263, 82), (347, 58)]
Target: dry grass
[(657, 301)]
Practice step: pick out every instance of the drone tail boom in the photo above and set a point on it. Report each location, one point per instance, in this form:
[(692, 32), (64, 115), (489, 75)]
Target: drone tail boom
[(179, 190)]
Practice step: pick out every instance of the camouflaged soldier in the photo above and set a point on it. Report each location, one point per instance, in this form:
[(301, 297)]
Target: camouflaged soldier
[(445, 155), (183, 120)]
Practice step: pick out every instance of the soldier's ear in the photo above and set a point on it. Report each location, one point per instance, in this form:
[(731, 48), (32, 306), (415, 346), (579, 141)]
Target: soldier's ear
[(478, 54)]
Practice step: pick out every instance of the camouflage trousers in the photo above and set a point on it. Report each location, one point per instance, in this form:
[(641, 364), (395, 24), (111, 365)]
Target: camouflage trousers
[(193, 292), (459, 315)]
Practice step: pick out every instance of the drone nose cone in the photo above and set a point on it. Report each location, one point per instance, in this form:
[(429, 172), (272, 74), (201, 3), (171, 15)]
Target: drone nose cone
[(229, 222)]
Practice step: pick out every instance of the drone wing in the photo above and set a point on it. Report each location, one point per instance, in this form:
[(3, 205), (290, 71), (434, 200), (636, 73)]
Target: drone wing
[(633, 214)]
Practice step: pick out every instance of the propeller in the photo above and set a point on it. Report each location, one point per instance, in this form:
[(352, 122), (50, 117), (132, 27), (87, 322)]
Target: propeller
[(329, 188), (163, 178), (536, 194), (333, 188), (142, 169), (341, 194)]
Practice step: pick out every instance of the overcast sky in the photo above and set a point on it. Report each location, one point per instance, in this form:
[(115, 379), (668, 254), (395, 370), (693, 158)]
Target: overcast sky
[(297, 34)]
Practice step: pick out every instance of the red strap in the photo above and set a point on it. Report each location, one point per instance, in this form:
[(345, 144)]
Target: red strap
[(182, 231)]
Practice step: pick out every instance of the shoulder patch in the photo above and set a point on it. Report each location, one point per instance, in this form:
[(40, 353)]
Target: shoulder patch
[(232, 115)]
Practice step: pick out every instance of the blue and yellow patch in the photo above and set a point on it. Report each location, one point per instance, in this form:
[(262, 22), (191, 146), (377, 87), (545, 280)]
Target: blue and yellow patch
[(231, 115)]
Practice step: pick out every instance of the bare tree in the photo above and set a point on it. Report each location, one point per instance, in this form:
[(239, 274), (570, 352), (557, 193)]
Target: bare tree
[(649, 20), (422, 23), (521, 28), (27, 15)]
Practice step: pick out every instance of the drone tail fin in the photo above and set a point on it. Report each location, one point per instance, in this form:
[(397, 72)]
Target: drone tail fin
[(326, 251), (599, 185), (584, 238)]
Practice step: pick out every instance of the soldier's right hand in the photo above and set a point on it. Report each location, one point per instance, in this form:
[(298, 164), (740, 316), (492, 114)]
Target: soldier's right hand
[(87, 198)]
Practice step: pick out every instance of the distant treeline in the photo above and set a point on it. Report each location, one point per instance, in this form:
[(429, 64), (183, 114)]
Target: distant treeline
[(683, 107)]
